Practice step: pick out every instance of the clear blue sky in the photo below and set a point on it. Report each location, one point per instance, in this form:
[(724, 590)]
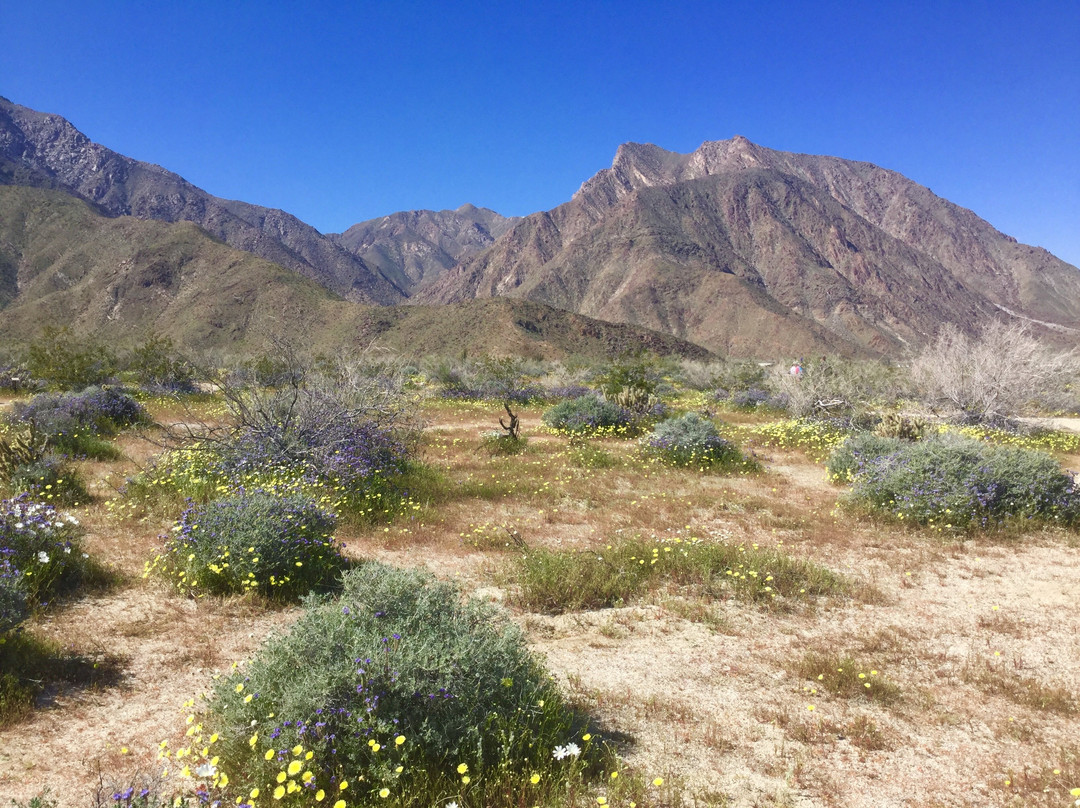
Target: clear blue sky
[(339, 112)]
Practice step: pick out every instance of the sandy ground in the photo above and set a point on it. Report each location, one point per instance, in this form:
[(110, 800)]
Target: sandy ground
[(715, 706)]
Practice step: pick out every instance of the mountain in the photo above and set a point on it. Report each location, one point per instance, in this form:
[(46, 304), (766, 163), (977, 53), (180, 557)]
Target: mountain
[(747, 250), (413, 248), (123, 279), (46, 151)]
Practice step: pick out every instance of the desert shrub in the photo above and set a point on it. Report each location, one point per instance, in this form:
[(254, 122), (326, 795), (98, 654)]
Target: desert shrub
[(344, 433), (837, 386), (157, 366), (75, 423), (691, 440), (64, 361), (399, 687), (280, 546), (500, 444), (847, 458), (585, 415), (50, 479), (40, 550), (556, 581), (644, 374), (504, 379), (996, 375), (954, 483), (13, 605)]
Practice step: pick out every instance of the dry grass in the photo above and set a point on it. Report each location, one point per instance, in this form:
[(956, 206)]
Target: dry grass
[(713, 693)]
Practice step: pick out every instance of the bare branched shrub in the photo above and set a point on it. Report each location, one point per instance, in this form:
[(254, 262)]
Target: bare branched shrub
[(837, 386), (346, 411), (996, 375)]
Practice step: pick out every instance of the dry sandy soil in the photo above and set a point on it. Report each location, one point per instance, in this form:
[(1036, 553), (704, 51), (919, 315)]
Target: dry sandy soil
[(977, 634)]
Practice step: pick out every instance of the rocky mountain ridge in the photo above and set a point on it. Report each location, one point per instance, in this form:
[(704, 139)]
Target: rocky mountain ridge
[(735, 246), (46, 151)]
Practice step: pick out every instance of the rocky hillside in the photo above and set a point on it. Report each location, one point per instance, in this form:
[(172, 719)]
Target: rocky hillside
[(123, 279), (744, 249), (413, 248), (46, 151)]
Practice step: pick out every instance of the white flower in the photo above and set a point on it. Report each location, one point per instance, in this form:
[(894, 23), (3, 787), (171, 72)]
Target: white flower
[(451, 805), (570, 750), (206, 770), (18, 525), (43, 557), (67, 551)]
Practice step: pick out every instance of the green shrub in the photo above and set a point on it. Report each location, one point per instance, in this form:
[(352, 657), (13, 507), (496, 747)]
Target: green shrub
[(846, 458), (690, 440), (50, 479), (279, 545), (64, 361), (954, 483), (41, 549), (586, 414), (398, 685), (498, 444), (157, 366)]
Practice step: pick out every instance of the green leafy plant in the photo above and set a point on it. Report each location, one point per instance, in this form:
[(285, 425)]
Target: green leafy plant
[(280, 546), (690, 440), (64, 361), (956, 483), (399, 687)]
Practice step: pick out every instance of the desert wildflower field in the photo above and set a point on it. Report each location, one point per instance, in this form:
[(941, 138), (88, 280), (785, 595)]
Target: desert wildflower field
[(723, 627)]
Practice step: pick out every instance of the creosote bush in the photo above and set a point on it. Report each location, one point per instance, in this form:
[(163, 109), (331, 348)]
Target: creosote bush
[(951, 482), (397, 689), (279, 545), (690, 440)]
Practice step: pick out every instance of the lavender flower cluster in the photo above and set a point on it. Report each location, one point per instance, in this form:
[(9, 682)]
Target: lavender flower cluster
[(960, 483), (100, 410)]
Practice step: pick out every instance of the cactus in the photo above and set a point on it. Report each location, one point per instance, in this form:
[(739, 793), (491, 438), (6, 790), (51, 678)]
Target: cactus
[(635, 399), (24, 448), (904, 427)]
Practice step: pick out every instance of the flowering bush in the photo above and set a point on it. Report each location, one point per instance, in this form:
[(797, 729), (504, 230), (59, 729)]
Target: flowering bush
[(586, 414), (281, 546), (40, 556), (954, 483), (815, 436), (691, 440), (397, 687), (74, 422)]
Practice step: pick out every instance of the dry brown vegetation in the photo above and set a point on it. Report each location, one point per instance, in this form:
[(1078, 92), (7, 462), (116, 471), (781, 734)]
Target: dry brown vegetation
[(977, 638)]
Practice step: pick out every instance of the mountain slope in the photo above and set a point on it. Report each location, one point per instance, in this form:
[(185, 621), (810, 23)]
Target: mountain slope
[(749, 250), (413, 248), (46, 151), (123, 279)]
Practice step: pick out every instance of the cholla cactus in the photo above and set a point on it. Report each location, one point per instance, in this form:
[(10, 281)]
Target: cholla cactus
[(905, 427), (25, 448), (635, 399)]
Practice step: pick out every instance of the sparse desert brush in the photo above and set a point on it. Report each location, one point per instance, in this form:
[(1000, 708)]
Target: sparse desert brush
[(399, 690), (957, 483), (841, 675), (690, 440), (278, 545), (556, 581)]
